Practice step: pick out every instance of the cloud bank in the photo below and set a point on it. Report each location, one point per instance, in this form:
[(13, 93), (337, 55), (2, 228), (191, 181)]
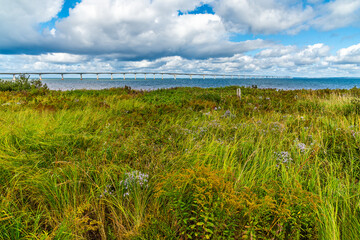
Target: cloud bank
[(310, 61), (151, 34)]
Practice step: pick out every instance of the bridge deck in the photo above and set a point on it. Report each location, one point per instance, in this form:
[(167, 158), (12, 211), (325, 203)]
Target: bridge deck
[(239, 76)]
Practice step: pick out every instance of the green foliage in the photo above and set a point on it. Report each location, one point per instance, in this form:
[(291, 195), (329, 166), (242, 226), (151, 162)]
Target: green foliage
[(280, 212), (22, 83), (207, 206), (202, 202), (215, 165), (356, 103), (210, 97)]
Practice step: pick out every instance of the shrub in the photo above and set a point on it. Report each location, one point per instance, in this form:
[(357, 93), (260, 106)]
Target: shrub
[(279, 212), (198, 105), (22, 83), (206, 206), (212, 97), (201, 200), (356, 103)]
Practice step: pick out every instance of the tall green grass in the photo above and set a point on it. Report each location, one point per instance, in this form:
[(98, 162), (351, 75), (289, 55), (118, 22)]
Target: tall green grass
[(184, 163)]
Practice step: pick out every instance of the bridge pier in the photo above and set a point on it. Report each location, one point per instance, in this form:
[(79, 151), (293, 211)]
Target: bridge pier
[(167, 75)]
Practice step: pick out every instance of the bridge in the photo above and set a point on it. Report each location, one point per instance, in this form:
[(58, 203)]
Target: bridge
[(144, 74)]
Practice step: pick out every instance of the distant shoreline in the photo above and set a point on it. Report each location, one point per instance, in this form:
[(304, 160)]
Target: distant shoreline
[(151, 84)]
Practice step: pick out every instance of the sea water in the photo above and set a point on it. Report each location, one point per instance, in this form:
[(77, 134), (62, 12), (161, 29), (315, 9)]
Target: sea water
[(151, 84)]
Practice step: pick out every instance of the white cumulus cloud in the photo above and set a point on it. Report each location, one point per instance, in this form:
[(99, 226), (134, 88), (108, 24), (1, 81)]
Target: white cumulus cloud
[(112, 35), (346, 56), (286, 16), (20, 20), (337, 14), (312, 60), (263, 16), (136, 29)]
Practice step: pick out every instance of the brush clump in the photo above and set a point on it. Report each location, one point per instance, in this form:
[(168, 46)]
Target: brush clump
[(181, 163)]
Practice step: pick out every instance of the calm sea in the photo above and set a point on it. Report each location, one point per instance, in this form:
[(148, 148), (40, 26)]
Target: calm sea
[(151, 84)]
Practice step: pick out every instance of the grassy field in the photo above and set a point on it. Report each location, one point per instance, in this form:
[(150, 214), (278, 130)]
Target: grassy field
[(185, 163)]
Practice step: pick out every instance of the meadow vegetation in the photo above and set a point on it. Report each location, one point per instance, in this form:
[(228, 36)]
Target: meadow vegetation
[(183, 163), (22, 83)]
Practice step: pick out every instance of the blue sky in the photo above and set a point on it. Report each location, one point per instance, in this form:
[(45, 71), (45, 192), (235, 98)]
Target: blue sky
[(312, 38), (64, 13)]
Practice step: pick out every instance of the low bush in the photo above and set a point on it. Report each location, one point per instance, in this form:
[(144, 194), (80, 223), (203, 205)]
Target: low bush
[(356, 104), (206, 205), (212, 97), (22, 83), (202, 201)]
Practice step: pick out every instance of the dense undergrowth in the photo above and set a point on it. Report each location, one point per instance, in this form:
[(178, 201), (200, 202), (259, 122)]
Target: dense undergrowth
[(184, 163), (22, 83)]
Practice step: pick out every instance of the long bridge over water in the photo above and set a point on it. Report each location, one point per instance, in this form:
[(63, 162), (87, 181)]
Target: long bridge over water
[(144, 74)]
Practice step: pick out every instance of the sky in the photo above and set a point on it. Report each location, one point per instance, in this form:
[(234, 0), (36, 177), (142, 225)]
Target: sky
[(299, 38)]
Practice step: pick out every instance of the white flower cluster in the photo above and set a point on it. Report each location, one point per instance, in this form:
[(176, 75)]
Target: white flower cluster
[(134, 179), (283, 158), (301, 146), (109, 190), (275, 126)]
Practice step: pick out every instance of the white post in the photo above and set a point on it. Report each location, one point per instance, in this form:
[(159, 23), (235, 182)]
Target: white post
[(214, 76), (14, 77), (190, 77), (62, 76), (145, 76), (238, 93), (40, 76), (174, 76), (112, 77), (81, 78), (162, 76), (97, 76), (124, 76), (203, 77)]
